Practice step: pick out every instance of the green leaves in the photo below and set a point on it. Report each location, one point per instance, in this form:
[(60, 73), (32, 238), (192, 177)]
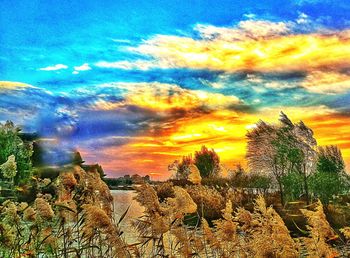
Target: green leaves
[(326, 185), (207, 161), (12, 144)]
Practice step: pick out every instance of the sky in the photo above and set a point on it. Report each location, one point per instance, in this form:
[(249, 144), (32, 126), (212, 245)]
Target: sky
[(134, 85)]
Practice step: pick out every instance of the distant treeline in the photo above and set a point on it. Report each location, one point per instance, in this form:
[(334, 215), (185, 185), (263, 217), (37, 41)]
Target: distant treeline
[(127, 180)]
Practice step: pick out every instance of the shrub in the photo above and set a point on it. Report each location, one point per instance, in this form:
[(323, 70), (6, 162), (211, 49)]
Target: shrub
[(209, 201)]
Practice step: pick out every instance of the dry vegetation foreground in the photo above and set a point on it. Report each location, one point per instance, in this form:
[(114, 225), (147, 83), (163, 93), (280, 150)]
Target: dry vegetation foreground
[(294, 202), (78, 222)]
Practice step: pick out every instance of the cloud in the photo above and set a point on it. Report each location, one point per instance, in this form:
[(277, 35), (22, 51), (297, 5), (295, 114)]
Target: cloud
[(83, 67), (245, 30), (252, 45), (327, 82), (8, 85), (223, 130), (54, 67), (162, 97), (127, 65)]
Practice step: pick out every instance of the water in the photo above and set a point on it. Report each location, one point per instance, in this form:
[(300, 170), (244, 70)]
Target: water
[(121, 200)]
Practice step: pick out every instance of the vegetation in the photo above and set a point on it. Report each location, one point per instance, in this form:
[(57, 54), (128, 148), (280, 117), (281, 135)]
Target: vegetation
[(287, 154), (292, 202), (12, 145), (207, 161)]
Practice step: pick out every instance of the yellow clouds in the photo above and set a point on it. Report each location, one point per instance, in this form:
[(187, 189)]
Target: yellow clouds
[(163, 97), (7, 85), (253, 45), (327, 82)]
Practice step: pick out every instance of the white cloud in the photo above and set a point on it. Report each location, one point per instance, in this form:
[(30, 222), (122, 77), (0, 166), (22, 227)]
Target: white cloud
[(127, 65), (302, 18), (126, 41), (83, 67), (54, 67)]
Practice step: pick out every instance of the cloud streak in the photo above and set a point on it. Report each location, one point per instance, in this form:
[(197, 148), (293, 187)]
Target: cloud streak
[(54, 67)]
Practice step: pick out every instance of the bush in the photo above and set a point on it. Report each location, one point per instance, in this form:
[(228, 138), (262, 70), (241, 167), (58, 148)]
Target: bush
[(12, 144), (326, 186), (292, 185)]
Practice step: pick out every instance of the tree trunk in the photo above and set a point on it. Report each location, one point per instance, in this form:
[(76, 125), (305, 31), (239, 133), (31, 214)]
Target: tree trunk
[(306, 187), (281, 191)]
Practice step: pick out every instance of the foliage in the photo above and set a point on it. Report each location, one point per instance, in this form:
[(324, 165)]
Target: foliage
[(346, 233), (194, 176), (180, 169), (9, 168), (207, 161), (330, 178), (292, 185), (209, 200), (12, 144), (163, 232), (330, 160), (77, 222), (325, 186), (164, 190), (278, 150), (320, 232), (258, 181), (265, 221)]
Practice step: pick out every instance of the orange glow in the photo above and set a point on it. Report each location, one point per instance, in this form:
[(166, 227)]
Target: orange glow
[(225, 132)]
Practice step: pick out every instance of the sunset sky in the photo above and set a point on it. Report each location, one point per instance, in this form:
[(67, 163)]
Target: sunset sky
[(134, 85)]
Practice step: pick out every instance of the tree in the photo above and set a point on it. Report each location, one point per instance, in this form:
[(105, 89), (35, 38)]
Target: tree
[(207, 161), (330, 178), (326, 185), (181, 169), (293, 185), (12, 144), (262, 155), (278, 150), (330, 160)]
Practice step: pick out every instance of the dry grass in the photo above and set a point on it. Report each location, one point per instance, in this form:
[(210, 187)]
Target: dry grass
[(78, 223)]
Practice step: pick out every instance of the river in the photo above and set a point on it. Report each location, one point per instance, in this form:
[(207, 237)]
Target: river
[(121, 200)]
